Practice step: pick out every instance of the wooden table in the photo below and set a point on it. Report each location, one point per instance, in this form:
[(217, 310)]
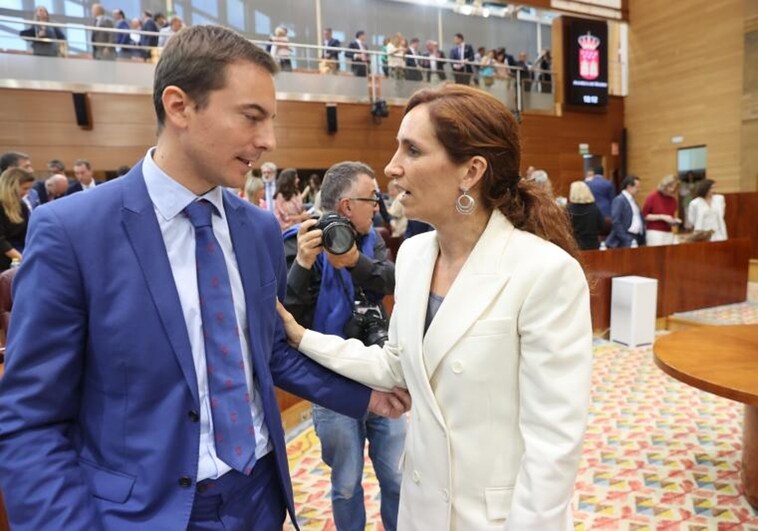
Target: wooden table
[(722, 360)]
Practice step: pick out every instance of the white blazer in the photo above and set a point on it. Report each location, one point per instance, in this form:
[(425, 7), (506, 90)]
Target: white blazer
[(500, 382)]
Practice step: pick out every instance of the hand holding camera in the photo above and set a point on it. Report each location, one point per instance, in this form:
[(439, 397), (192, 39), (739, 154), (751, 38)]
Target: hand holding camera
[(308, 244)]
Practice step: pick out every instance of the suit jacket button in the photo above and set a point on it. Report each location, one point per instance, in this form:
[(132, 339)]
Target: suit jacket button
[(457, 367), (185, 482), (415, 476), (193, 415)]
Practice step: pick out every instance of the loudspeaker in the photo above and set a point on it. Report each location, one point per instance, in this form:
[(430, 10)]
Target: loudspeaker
[(331, 118), (82, 110)]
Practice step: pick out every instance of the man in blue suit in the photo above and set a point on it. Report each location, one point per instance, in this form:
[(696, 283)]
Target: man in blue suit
[(628, 229), (148, 400), (463, 56)]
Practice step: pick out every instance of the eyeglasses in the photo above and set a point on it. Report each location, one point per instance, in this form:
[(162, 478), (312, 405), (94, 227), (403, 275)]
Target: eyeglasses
[(374, 200)]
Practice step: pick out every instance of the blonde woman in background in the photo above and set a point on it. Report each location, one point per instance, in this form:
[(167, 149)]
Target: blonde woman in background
[(255, 190), (586, 219), (659, 212), (396, 56), (280, 49), (15, 183)]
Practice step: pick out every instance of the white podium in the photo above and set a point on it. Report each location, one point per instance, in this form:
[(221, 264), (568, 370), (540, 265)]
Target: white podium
[(633, 301)]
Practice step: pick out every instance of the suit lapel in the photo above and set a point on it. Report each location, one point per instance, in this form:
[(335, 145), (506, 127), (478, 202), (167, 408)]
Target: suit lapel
[(481, 279), (145, 236)]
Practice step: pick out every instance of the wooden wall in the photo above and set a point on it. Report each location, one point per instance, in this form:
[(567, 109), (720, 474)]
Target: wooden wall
[(685, 78), (740, 218), (42, 124), (690, 276)]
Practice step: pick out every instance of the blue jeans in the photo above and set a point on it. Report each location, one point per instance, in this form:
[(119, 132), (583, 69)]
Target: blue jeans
[(342, 442)]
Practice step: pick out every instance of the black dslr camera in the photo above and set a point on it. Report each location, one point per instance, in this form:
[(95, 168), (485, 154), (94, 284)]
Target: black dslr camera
[(338, 233), (367, 323)]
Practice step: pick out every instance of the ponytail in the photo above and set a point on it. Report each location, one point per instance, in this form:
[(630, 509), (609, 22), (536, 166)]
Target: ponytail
[(532, 208)]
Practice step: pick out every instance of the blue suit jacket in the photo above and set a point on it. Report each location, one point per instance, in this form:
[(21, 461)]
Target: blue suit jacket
[(95, 422), (621, 214)]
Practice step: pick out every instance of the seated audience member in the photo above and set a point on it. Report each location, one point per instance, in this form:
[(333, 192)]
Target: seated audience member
[(586, 219), (84, 178), (56, 167), (268, 174), (288, 207), (254, 190), (706, 211), (14, 159), (628, 228), (660, 212), (122, 170), (14, 214), (39, 47)]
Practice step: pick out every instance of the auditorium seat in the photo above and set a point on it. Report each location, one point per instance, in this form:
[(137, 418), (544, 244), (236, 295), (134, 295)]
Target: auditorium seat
[(6, 302)]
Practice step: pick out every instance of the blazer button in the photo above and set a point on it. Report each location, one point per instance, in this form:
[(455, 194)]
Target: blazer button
[(457, 367), (415, 476), (193, 415), (185, 482)]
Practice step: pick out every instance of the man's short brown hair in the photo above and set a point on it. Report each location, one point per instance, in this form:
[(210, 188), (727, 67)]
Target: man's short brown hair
[(195, 60)]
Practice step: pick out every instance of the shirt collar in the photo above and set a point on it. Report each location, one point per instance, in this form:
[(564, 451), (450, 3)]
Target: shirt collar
[(170, 197)]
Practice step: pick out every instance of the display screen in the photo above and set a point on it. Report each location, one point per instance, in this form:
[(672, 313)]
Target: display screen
[(586, 62)]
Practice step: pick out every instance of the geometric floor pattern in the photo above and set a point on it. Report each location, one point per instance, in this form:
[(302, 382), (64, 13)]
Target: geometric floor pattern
[(730, 314), (658, 454)]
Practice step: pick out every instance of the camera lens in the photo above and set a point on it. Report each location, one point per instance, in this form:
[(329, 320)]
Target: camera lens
[(338, 238)]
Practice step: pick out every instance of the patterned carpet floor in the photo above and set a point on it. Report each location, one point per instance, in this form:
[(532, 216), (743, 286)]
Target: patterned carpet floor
[(658, 454)]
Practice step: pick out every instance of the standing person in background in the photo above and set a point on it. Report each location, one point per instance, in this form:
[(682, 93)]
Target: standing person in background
[(121, 38), (545, 63), (602, 191), (384, 59), (103, 38), (268, 174), (15, 183), (323, 291), (359, 59), (435, 69), (169, 30), (49, 49), (660, 212), (149, 41), (490, 332), (526, 71), (628, 227), (288, 207), (280, 49), (312, 191), (330, 58), (706, 211), (395, 56), (463, 55), (586, 219), (412, 60)]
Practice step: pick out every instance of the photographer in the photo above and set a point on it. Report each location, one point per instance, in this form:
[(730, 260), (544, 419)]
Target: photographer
[(338, 276)]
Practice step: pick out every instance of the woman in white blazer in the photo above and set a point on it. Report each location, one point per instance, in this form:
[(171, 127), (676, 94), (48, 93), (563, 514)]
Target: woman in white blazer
[(706, 211), (499, 370)]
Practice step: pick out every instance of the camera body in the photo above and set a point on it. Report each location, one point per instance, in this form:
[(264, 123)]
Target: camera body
[(338, 233), (367, 324)]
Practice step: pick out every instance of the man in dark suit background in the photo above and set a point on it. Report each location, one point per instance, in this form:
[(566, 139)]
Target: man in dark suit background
[(628, 229), (359, 59), (148, 402), (463, 56), (412, 61), (84, 178), (148, 24), (330, 58)]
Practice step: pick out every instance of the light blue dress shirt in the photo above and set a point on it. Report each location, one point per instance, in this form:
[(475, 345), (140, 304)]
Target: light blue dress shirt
[(169, 199)]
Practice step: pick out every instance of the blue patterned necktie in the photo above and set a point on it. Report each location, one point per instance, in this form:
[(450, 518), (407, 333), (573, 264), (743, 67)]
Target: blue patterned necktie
[(230, 401)]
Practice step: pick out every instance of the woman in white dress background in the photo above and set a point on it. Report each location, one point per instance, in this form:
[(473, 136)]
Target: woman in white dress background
[(706, 211)]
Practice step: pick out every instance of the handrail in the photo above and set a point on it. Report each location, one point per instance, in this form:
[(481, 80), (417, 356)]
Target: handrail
[(262, 43)]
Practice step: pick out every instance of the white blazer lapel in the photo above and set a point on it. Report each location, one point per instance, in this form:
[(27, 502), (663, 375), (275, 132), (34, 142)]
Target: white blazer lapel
[(481, 279)]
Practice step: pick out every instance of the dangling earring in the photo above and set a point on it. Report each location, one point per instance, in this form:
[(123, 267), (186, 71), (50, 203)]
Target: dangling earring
[(465, 204)]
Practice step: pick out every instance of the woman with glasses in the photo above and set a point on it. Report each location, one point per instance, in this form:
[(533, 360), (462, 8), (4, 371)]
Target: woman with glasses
[(490, 331)]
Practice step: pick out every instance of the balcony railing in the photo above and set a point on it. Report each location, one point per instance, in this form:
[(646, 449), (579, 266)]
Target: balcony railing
[(44, 62)]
